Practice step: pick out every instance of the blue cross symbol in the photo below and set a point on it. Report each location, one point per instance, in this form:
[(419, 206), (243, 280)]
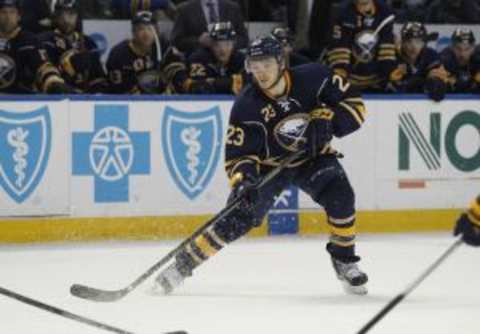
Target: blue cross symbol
[(111, 153)]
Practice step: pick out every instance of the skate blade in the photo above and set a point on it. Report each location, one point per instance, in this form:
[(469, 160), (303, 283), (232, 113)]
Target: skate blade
[(359, 290)]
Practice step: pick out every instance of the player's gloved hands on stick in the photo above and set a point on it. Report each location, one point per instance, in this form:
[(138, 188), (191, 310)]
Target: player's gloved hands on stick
[(469, 231), (246, 188), (61, 88), (319, 131)]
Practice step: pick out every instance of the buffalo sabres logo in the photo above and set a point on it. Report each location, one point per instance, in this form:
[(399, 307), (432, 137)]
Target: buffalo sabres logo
[(365, 44), (7, 71), (191, 143), (25, 140), (290, 132)]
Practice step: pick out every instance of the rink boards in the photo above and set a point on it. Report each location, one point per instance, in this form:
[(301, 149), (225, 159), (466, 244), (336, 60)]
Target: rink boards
[(146, 167)]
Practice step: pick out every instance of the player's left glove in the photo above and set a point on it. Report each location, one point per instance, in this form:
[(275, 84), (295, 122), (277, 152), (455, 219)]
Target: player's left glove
[(320, 130), (246, 188), (469, 231)]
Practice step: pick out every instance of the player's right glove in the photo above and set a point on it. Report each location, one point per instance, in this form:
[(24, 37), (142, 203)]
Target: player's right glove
[(470, 232), (245, 186), (320, 130)]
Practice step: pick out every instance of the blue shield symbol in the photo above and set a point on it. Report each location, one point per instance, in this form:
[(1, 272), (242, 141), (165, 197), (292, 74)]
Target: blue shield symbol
[(191, 143), (25, 140)]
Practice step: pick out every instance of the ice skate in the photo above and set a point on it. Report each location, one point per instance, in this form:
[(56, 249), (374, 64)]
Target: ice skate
[(353, 279)]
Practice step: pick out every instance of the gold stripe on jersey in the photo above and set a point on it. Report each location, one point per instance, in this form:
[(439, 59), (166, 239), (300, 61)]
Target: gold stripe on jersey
[(356, 114)]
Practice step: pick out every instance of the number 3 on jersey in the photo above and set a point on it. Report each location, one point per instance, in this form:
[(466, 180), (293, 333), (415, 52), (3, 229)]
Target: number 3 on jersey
[(235, 136)]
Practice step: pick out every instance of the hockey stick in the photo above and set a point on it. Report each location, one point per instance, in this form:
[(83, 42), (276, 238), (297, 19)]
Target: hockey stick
[(395, 301), (66, 314), (99, 295)]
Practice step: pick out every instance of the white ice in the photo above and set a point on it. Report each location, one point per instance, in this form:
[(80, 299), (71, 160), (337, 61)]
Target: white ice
[(282, 285)]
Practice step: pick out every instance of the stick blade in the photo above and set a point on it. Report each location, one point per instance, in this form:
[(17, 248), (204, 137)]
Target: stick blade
[(97, 295)]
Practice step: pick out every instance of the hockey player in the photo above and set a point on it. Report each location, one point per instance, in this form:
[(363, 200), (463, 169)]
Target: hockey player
[(468, 225), (24, 63), (144, 63), (75, 54), (419, 68), (462, 62), (292, 58), (219, 68), (285, 110), (362, 47)]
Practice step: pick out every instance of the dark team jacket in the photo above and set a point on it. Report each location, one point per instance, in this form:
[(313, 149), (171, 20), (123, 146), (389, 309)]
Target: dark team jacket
[(296, 59), (416, 76), (463, 79), (132, 72), (263, 129), (78, 60), (343, 54), (25, 66), (214, 77)]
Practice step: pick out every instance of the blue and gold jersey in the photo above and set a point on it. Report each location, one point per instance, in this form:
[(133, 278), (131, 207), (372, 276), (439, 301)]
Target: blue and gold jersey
[(415, 75), (78, 60), (25, 65), (263, 129), (463, 79), (357, 52), (223, 79)]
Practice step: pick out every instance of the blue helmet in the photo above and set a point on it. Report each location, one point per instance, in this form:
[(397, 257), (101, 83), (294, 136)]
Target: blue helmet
[(265, 47), (9, 3)]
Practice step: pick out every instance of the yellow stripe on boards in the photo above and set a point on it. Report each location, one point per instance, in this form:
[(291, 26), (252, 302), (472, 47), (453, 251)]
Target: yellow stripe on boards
[(179, 227)]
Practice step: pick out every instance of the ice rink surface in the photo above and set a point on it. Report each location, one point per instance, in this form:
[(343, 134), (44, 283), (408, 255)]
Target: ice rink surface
[(282, 285)]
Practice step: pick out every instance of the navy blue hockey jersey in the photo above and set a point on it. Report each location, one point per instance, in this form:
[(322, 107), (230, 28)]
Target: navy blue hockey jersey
[(222, 79), (415, 75), (356, 52), (463, 79), (263, 129)]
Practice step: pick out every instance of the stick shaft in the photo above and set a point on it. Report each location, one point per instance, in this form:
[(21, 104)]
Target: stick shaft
[(61, 312), (394, 302)]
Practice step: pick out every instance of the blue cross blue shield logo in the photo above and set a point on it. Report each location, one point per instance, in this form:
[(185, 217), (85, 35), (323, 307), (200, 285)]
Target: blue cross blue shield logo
[(191, 143), (25, 140)]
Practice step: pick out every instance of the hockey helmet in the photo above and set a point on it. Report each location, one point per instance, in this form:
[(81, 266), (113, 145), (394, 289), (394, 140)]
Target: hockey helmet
[(143, 17), (411, 30), (283, 35), (222, 31), (65, 5), (265, 47), (9, 3), (465, 36)]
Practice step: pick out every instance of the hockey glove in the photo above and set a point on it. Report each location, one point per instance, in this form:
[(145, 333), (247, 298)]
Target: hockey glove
[(469, 231), (320, 130), (61, 88), (247, 190), (436, 89)]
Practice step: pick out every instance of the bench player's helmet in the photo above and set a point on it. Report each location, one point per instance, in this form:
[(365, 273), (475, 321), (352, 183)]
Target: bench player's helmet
[(411, 30), (65, 5), (9, 3), (222, 31)]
